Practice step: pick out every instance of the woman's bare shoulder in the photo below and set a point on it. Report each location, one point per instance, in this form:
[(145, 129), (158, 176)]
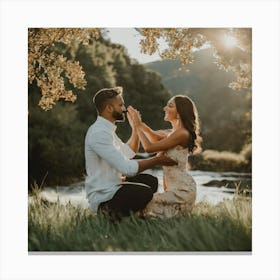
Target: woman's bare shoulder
[(179, 132), (182, 135), (183, 131)]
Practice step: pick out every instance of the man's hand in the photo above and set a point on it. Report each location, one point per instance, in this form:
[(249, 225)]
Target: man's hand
[(157, 160), (129, 118), (133, 117), (164, 160), (133, 141)]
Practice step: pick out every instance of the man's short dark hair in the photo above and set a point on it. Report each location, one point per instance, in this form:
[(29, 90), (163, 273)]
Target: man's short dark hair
[(103, 97)]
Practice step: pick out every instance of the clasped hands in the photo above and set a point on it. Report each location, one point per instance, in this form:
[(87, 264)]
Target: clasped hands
[(134, 117), (135, 121)]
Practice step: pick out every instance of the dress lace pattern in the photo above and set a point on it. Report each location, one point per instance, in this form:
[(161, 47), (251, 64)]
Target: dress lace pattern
[(180, 192)]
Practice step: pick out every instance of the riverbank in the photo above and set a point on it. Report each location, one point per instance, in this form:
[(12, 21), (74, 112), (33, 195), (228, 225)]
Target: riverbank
[(224, 227), (212, 187), (223, 161)]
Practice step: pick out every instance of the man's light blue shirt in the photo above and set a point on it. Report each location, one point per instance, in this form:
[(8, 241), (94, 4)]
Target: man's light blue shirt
[(107, 159)]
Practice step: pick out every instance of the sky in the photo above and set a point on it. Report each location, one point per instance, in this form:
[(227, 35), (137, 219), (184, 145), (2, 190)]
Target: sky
[(130, 38)]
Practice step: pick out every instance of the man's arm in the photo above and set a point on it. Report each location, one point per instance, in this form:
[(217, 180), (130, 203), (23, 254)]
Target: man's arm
[(154, 161), (133, 141), (102, 144)]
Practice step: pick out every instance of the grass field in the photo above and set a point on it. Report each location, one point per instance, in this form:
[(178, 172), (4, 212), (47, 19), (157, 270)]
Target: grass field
[(224, 227)]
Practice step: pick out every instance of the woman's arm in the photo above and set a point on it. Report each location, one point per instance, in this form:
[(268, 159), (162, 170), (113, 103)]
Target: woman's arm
[(152, 135), (178, 137)]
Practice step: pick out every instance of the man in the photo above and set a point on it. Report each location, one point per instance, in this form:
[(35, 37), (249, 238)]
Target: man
[(108, 159)]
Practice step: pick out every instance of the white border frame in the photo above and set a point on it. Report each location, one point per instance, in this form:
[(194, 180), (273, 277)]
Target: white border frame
[(17, 16)]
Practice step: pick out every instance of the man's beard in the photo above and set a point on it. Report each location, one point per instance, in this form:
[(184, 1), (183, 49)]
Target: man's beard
[(120, 117)]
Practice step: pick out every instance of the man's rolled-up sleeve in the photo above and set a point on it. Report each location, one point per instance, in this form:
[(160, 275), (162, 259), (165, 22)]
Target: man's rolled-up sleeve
[(125, 148), (102, 144)]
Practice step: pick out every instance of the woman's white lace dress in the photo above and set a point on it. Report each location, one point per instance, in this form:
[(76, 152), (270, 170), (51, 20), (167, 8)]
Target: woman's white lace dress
[(180, 188)]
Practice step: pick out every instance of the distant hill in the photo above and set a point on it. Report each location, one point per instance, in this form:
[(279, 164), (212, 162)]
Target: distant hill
[(223, 112), (192, 78)]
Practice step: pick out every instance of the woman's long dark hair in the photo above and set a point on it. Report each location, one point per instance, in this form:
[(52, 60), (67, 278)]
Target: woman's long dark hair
[(189, 117)]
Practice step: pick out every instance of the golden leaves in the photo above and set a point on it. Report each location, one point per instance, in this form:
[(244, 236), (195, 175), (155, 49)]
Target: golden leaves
[(50, 69), (179, 40), (149, 43)]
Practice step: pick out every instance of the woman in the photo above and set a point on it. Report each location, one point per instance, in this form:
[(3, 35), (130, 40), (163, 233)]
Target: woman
[(180, 141)]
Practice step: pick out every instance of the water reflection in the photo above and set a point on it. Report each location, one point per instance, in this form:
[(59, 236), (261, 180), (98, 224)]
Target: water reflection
[(214, 193)]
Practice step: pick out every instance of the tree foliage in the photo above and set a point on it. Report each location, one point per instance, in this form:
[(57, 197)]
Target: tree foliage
[(50, 69), (182, 42)]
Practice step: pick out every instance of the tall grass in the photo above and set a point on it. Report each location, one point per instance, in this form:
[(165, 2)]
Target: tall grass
[(56, 227)]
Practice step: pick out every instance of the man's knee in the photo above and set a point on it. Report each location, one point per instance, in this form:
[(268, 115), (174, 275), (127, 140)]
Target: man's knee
[(146, 179), (142, 197), (152, 181)]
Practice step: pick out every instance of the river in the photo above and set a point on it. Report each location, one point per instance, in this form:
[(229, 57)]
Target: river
[(212, 187)]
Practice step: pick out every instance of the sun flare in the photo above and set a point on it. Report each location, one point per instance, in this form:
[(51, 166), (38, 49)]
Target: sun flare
[(230, 41)]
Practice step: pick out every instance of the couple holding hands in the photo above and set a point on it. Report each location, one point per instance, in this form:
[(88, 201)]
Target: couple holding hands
[(115, 183)]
